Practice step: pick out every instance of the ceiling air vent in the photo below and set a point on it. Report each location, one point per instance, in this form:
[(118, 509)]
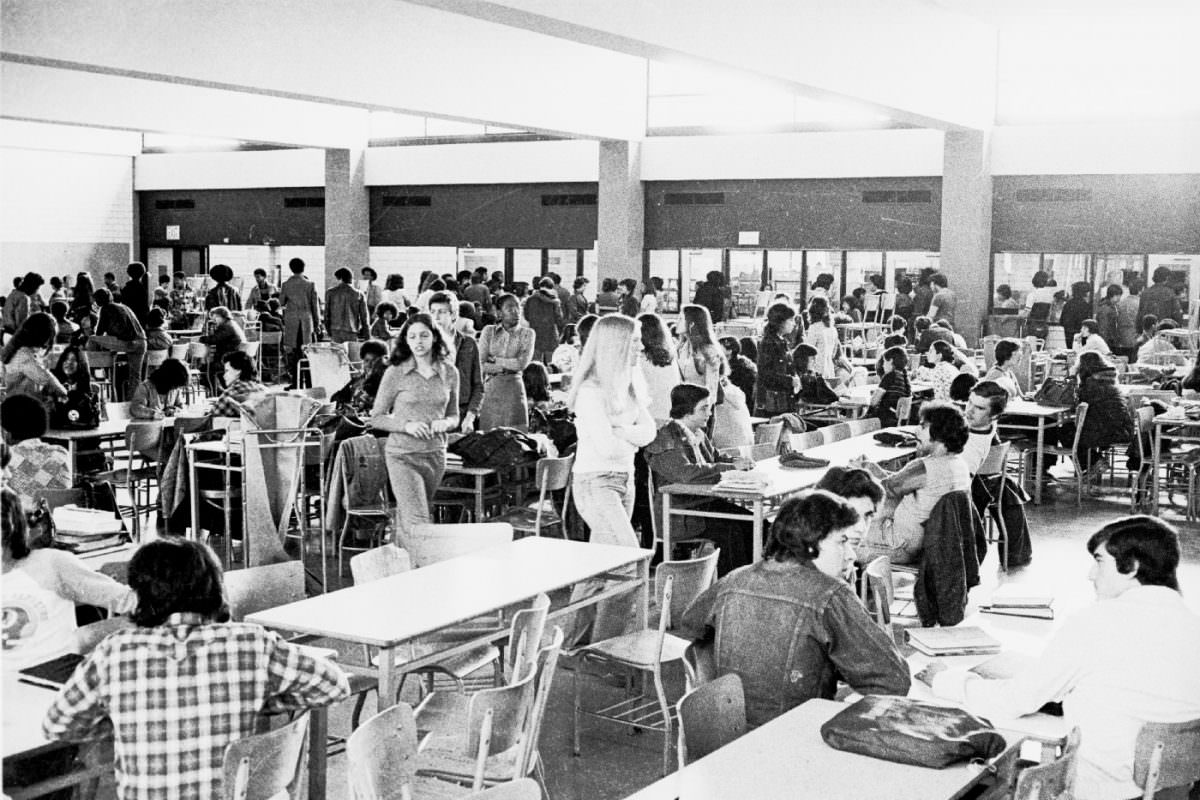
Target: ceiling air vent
[(175, 203), (694, 198), (569, 199), (1053, 194), (407, 200), (304, 202), (898, 196)]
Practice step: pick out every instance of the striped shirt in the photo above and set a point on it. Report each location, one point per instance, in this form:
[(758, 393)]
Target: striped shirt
[(178, 694)]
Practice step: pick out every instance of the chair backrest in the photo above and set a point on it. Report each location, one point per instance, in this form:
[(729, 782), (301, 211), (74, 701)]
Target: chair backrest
[(250, 348), (259, 588), (860, 426), (1053, 781), (525, 636), (994, 461), (768, 433), (699, 663), (877, 591), (197, 351), (554, 474), (904, 410), (711, 716), (1166, 755), (520, 789), (835, 433), (803, 441), (267, 765), (428, 544), (546, 664), (102, 359), (496, 721), (142, 438), (270, 338), (155, 358), (381, 755), (1143, 419), (379, 562), (118, 411), (691, 578), (1080, 418), (179, 351)]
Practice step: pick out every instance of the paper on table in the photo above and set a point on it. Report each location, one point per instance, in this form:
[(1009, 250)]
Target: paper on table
[(1004, 665)]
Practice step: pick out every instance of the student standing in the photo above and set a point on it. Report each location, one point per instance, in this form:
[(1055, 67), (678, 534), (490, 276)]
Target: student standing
[(504, 350), (417, 404), (301, 314)]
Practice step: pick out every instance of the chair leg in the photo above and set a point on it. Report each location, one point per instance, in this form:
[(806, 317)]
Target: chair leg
[(575, 716), (666, 712)]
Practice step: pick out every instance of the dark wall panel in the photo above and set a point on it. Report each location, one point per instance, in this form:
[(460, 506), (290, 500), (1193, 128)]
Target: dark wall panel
[(1096, 214), (232, 216), (483, 215), (792, 214)]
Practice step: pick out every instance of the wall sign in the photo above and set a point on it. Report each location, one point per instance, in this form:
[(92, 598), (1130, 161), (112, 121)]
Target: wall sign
[(172, 233)]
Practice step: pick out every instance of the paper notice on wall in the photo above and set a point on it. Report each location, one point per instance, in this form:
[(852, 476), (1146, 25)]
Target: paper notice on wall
[(172, 233), (747, 238)]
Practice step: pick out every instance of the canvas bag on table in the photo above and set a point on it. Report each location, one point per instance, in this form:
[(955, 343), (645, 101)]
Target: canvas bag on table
[(911, 732)]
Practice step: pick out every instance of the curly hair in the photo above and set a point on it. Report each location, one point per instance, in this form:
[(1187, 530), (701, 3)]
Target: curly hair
[(946, 425), (803, 521)]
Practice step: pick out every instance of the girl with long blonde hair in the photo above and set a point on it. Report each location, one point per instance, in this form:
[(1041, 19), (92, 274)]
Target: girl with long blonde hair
[(613, 421), (701, 357)]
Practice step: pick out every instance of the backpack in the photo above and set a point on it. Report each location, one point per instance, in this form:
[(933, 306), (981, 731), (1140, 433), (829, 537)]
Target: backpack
[(558, 423)]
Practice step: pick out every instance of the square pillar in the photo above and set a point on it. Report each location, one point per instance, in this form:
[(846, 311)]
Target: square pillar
[(622, 211), (966, 248), (347, 212)]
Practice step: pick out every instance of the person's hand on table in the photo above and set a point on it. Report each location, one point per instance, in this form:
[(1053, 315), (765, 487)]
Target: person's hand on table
[(930, 671)]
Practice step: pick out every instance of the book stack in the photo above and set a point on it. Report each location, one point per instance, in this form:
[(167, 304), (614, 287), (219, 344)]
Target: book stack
[(1015, 601), (85, 530), (963, 640), (453, 460), (736, 480)]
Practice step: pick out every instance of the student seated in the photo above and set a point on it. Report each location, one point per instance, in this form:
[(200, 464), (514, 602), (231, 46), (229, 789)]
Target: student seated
[(186, 682), (160, 395), (240, 378), (1088, 340), (33, 464), (892, 386), (385, 317), (157, 337), (682, 453), (790, 625), (916, 488), (1160, 344), (860, 491), (65, 328), (40, 590), (1000, 372), (1127, 660)]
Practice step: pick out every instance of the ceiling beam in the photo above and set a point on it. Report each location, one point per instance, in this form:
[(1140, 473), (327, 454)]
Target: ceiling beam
[(363, 54), (908, 59)]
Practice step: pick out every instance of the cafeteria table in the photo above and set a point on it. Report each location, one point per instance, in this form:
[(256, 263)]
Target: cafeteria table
[(451, 592), (1044, 417), (781, 483), (107, 431)]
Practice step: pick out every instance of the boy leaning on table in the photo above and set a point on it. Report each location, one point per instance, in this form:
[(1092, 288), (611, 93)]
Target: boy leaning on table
[(1127, 660)]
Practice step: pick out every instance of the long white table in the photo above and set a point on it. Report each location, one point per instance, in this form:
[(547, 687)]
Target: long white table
[(396, 611), (1044, 417), (783, 482), (786, 759)]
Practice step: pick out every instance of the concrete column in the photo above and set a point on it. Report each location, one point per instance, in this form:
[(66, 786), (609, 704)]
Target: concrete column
[(622, 211), (967, 226), (347, 213)]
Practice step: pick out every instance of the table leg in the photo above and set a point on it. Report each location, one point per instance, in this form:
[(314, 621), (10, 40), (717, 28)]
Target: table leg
[(193, 492), (1157, 462), (666, 528), (757, 542), (643, 606), (387, 676), (72, 454), (479, 498), (318, 730), (1039, 461)]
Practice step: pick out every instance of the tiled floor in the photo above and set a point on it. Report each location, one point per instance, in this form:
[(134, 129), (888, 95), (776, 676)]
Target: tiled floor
[(614, 764)]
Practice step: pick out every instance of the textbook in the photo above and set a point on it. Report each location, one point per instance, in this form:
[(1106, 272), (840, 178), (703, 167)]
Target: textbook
[(1016, 601), (953, 641), (53, 673)]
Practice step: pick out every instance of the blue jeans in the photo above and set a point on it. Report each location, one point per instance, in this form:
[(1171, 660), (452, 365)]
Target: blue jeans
[(414, 478), (605, 501)]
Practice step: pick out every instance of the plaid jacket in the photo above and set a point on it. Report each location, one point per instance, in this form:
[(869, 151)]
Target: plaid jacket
[(179, 693)]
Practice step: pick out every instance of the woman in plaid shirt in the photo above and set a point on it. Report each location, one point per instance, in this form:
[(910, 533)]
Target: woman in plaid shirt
[(241, 380), (185, 683)]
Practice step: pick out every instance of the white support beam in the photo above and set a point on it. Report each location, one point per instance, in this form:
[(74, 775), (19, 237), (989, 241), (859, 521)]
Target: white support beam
[(70, 97), (906, 58), (369, 54)]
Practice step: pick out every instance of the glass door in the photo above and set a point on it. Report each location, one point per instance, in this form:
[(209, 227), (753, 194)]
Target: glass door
[(745, 280), (665, 264)]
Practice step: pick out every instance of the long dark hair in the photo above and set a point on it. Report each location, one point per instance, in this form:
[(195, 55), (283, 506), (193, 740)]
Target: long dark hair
[(818, 311), (82, 379), (402, 352), (12, 515), (37, 331), (655, 344), (536, 381)]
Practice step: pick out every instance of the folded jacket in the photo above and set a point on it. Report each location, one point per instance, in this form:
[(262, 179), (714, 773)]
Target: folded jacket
[(801, 461)]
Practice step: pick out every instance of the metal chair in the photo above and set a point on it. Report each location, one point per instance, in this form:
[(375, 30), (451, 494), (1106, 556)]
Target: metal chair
[(993, 467), (860, 426), (646, 651), (710, 717), (1166, 759), (803, 441), (155, 358), (141, 441), (552, 475), (769, 433), (877, 591), (270, 353), (267, 765), (1073, 453), (904, 407), (1053, 781), (379, 562), (103, 364), (429, 544), (365, 496), (835, 433)]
